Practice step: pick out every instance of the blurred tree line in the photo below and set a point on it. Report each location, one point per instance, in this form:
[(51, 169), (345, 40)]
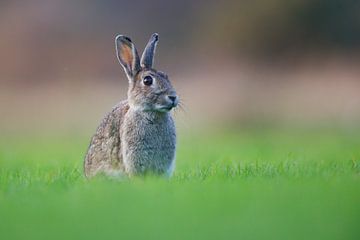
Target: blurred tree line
[(263, 27), (55, 38)]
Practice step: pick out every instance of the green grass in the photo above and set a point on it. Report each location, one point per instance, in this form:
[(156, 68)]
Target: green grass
[(275, 183)]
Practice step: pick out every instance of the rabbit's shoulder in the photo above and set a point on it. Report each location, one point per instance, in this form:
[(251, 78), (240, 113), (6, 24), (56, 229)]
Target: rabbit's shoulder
[(110, 124)]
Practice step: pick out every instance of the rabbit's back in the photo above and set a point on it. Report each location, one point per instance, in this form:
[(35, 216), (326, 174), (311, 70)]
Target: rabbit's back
[(104, 153)]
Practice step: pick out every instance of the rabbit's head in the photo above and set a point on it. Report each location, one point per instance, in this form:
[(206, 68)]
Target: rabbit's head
[(149, 89)]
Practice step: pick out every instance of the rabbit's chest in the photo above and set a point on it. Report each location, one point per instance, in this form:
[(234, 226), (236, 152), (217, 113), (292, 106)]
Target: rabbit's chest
[(148, 144)]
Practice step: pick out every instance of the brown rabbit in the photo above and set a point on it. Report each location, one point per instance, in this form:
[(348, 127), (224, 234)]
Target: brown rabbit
[(138, 136)]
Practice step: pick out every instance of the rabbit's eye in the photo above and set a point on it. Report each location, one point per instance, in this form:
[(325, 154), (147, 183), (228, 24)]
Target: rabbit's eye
[(148, 80)]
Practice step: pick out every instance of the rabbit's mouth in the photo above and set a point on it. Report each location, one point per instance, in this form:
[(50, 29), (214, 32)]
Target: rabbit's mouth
[(165, 108)]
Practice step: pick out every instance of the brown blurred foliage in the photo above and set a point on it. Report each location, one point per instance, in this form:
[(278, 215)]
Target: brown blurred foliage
[(53, 39), (277, 27), (231, 60)]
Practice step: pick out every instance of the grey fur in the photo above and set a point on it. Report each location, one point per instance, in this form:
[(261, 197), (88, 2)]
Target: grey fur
[(138, 136), (147, 58)]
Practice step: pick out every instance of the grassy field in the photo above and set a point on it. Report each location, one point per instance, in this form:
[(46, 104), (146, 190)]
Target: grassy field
[(272, 183)]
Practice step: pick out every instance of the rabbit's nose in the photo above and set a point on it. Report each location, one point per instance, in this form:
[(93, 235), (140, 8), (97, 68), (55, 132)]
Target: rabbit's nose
[(173, 99)]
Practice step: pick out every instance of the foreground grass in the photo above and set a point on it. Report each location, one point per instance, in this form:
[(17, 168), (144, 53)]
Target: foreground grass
[(250, 184)]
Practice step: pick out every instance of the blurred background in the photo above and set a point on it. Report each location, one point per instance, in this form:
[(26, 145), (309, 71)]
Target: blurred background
[(232, 62)]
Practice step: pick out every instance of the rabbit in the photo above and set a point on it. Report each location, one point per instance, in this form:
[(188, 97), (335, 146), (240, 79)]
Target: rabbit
[(138, 135)]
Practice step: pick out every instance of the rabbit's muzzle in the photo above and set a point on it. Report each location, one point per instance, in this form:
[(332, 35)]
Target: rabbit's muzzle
[(168, 102)]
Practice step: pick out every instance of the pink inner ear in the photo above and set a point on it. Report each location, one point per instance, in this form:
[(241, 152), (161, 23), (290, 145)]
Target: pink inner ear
[(126, 55)]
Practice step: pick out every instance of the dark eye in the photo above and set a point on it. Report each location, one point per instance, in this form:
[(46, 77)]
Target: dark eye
[(148, 80)]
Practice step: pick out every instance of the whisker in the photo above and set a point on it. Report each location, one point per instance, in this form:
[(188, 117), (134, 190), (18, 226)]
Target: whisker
[(180, 108), (181, 105)]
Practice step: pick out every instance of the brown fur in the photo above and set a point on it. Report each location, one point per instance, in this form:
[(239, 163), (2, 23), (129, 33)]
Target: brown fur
[(126, 54)]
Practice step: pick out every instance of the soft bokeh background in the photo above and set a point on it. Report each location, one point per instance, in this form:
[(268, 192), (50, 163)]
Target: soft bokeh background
[(268, 138), (238, 62)]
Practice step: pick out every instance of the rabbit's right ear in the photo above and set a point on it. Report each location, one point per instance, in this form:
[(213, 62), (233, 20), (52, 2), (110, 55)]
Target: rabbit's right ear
[(127, 55)]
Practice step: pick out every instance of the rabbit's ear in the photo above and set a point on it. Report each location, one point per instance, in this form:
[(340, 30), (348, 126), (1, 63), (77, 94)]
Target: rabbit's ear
[(127, 55), (147, 58)]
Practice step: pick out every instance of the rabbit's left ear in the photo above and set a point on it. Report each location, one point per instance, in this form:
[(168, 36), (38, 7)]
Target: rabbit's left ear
[(127, 55), (147, 58)]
